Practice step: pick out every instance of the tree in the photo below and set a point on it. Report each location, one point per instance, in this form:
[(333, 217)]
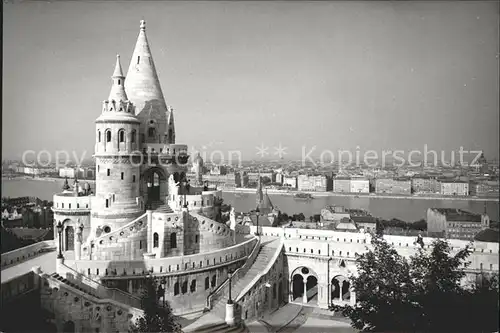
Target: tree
[(156, 318), (423, 293), (383, 291)]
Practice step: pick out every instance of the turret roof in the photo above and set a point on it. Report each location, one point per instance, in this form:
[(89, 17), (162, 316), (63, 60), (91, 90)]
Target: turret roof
[(142, 82), (117, 92)]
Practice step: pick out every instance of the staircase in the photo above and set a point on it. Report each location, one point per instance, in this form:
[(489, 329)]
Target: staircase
[(160, 207), (71, 284), (263, 257)]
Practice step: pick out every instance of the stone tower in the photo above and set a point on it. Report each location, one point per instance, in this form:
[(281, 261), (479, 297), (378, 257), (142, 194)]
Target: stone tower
[(145, 91), (117, 197)]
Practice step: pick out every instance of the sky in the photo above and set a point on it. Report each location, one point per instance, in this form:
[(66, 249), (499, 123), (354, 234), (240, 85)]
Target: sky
[(239, 75)]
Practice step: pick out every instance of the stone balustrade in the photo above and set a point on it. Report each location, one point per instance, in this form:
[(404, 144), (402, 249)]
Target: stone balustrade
[(132, 227), (26, 253), (237, 274), (325, 243), (262, 274), (164, 266)]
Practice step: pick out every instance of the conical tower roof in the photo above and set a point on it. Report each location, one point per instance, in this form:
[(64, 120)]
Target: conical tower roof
[(117, 92), (171, 116), (142, 82)]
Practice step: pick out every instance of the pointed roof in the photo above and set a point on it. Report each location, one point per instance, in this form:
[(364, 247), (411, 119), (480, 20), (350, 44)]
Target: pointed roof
[(142, 82), (171, 116), (118, 68), (117, 92)]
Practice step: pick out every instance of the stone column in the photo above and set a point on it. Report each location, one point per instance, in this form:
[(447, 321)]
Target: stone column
[(353, 298), (340, 288), (329, 295), (322, 298), (150, 231), (304, 297), (130, 287), (78, 244), (290, 292), (230, 318)]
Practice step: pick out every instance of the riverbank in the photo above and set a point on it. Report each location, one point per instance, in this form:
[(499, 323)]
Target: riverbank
[(46, 179), (364, 195)]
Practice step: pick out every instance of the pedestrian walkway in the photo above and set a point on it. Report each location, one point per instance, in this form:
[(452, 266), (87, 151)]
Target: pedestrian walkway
[(316, 325), (282, 316)]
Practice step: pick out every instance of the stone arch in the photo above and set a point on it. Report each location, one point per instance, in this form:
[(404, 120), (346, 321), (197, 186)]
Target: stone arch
[(154, 182), (156, 240), (304, 285), (121, 135), (173, 240), (68, 235), (340, 289)]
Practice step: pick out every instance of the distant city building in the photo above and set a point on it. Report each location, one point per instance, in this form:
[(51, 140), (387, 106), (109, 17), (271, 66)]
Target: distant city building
[(424, 185), (393, 186), (311, 183), (454, 187), (342, 185), (455, 223), (360, 185), (290, 181), (484, 188)]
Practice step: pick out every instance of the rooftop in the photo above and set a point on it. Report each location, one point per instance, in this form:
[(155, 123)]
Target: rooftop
[(458, 215)]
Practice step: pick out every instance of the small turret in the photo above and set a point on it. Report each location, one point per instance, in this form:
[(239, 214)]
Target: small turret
[(117, 92)]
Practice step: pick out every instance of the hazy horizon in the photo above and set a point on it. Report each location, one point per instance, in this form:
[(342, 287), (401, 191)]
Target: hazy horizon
[(335, 75)]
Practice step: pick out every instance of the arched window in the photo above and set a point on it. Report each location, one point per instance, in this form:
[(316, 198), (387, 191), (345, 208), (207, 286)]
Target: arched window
[(99, 136), (214, 280), (193, 286), (207, 283), (132, 138), (108, 136), (173, 240), (155, 239), (176, 289), (121, 135), (184, 287), (151, 132)]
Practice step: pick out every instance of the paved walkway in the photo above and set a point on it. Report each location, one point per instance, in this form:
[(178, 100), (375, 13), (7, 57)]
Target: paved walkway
[(282, 316), (47, 262), (316, 325)]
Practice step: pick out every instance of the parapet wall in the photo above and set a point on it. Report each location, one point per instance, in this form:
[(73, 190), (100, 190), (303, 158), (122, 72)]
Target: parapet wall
[(26, 253), (328, 243), (163, 266)]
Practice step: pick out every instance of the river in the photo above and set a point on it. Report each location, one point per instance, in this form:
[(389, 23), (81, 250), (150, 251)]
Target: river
[(405, 209)]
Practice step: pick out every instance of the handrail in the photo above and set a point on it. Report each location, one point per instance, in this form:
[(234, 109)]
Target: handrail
[(102, 290), (121, 228), (214, 296), (261, 274)]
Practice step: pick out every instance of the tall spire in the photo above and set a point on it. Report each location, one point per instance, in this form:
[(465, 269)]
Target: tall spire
[(142, 82), (117, 92)]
